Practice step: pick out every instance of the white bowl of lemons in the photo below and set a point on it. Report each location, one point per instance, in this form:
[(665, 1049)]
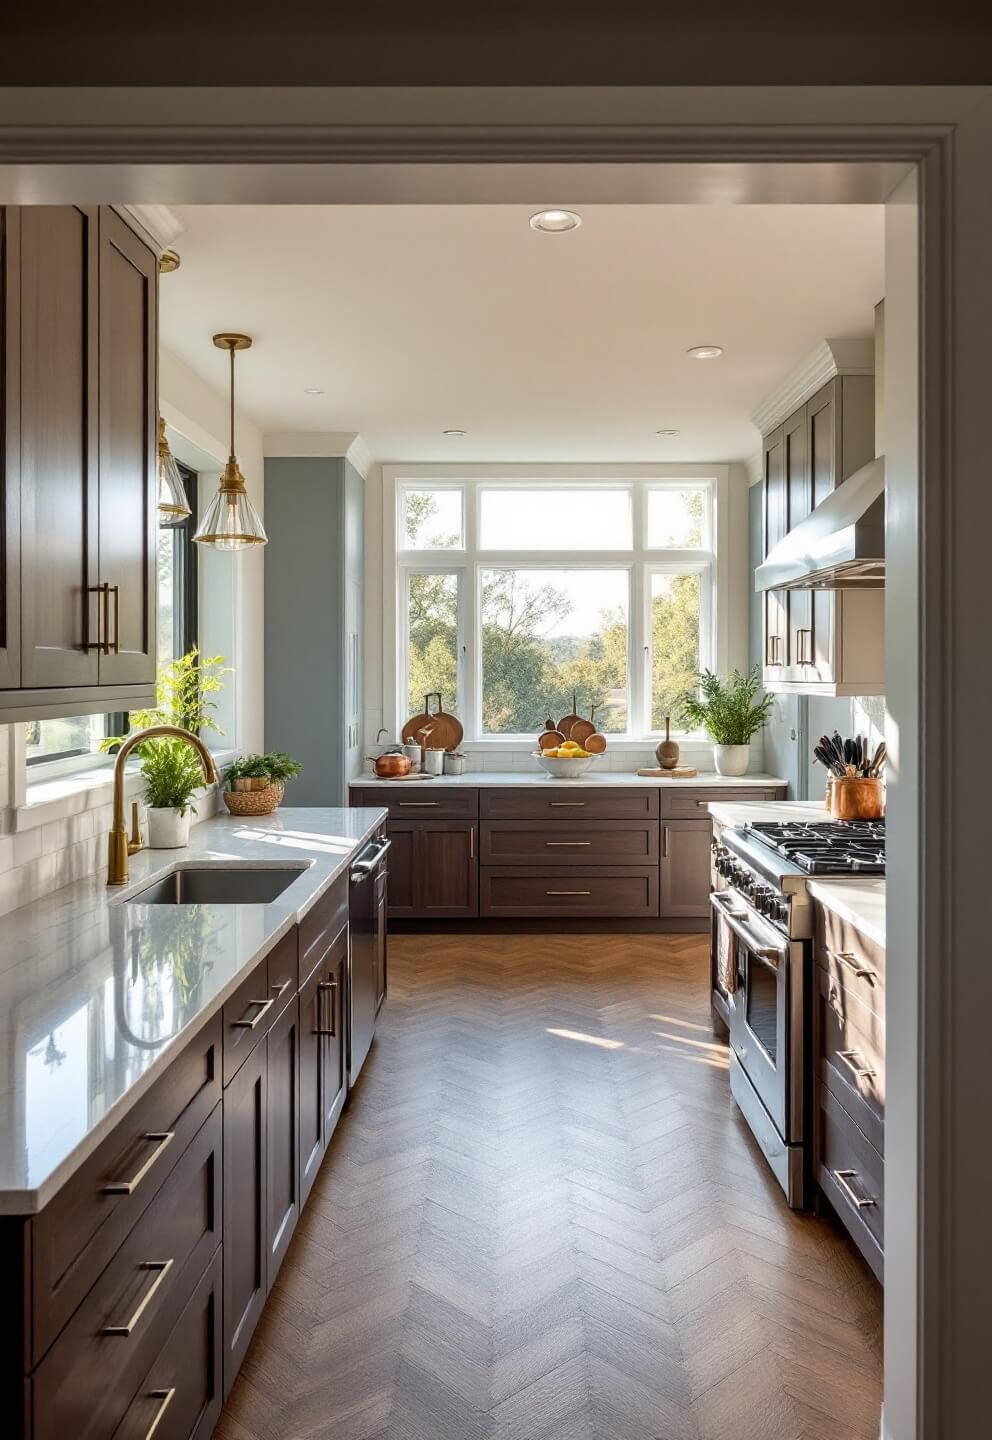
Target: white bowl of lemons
[(566, 761)]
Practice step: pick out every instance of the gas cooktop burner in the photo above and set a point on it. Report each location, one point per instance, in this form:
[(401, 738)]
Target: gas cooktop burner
[(854, 847)]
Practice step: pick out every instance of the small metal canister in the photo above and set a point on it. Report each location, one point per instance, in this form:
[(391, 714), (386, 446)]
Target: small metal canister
[(414, 754), (433, 762), (454, 762)]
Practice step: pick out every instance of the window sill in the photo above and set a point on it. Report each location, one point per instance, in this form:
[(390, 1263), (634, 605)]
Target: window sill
[(60, 796), (623, 743)]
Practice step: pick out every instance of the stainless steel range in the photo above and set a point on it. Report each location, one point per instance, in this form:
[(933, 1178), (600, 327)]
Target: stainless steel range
[(761, 971)]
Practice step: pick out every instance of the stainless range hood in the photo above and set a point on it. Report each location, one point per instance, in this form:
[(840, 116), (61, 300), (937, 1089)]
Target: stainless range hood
[(840, 546)]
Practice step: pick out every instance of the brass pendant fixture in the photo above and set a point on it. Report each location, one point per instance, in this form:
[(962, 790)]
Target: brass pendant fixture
[(231, 521), (173, 507)]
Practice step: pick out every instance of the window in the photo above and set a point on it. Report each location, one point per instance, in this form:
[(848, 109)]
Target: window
[(177, 581), (513, 596), (74, 743)]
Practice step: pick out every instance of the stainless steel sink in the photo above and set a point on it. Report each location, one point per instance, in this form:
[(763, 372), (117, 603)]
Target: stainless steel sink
[(216, 885)]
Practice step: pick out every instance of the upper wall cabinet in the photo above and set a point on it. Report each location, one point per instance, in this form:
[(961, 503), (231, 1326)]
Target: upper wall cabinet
[(79, 403), (820, 642)]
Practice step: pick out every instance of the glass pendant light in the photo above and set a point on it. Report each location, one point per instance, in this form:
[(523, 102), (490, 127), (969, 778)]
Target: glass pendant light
[(173, 507), (231, 521)]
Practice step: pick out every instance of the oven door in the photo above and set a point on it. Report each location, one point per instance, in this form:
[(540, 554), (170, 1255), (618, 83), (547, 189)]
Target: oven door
[(760, 1005)]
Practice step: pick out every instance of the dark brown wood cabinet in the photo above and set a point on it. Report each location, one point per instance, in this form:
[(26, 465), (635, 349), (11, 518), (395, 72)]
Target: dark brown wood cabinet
[(128, 390), (685, 869), (245, 1192), (447, 869), (434, 851), (282, 1159), (323, 1057), (79, 456), (775, 527)]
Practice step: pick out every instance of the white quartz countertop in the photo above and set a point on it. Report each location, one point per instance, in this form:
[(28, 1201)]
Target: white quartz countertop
[(860, 902), (478, 779), (97, 996), (746, 812)]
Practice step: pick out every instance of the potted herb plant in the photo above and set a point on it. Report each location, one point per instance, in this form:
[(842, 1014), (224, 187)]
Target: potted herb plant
[(281, 767), (731, 714), (172, 775), (248, 788)]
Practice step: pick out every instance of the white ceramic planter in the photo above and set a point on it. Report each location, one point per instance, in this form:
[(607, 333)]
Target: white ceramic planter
[(168, 829), (731, 759)]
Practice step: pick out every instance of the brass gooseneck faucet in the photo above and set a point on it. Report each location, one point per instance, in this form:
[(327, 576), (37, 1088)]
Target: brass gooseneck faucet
[(117, 843)]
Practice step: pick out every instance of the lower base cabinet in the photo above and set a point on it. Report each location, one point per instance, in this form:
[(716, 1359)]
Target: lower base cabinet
[(282, 1199), (685, 869), (245, 1188), (323, 1057), (182, 1395)]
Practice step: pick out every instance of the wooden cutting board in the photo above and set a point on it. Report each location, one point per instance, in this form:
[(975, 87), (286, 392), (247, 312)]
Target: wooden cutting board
[(446, 729), (680, 772)]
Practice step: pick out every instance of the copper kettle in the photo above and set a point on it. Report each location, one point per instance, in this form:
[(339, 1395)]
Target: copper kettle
[(391, 765)]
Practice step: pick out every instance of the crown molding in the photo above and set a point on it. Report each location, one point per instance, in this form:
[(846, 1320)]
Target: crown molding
[(829, 358), (359, 455), (156, 222)]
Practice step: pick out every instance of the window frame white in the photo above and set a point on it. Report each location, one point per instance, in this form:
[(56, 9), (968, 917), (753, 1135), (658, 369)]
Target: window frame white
[(640, 560)]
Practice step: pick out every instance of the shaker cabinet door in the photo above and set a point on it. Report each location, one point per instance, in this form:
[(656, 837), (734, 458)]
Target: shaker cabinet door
[(10, 448), (776, 525), (59, 432), (245, 1192), (282, 1138), (685, 868), (128, 451)]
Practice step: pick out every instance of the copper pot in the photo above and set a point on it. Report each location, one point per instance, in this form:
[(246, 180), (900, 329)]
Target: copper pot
[(389, 767), (857, 798)]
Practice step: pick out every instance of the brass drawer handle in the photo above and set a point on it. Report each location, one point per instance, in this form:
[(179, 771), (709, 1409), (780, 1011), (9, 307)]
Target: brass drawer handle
[(162, 1267), (566, 844), (855, 1064), (264, 1007), (568, 892), (850, 962), (665, 841), (280, 990), (166, 1397), (843, 1177), (805, 656), (114, 647), (567, 804), (418, 804), (326, 987), (163, 1139), (100, 643)]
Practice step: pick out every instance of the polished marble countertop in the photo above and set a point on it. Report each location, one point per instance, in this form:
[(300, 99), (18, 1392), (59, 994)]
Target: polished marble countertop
[(861, 902), (746, 812), (479, 779), (97, 996)]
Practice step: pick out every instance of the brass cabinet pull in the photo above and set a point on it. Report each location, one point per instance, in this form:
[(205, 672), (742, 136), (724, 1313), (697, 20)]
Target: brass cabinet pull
[(568, 892), (162, 1267), (264, 1007), (166, 1397), (162, 1140), (566, 844), (855, 1064), (471, 843), (100, 643), (280, 990), (419, 804), (567, 804), (805, 656), (115, 647), (326, 987), (843, 1177), (664, 848), (850, 962), (772, 649)]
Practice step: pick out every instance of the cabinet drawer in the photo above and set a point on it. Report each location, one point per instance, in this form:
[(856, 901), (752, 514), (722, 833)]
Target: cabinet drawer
[(855, 963), (92, 1372), (181, 1396), (568, 802), (851, 1174), (423, 800), (82, 1226), (850, 1056), (584, 842), (320, 925), (691, 803), (622, 891), (249, 1013)]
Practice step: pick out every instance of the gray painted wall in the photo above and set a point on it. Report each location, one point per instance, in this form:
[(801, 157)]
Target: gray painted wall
[(314, 516)]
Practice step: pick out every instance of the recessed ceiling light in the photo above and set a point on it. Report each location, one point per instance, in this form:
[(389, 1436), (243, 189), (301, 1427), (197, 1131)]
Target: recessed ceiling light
[(312, 390), (669, 433), (705, 352), (555, 222), (454, 432)]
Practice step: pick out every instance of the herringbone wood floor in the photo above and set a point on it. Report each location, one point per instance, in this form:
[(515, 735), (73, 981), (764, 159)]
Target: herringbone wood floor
[(542, 1218)]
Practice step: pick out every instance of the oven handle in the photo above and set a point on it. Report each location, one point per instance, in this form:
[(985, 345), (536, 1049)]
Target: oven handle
[(768, 955)]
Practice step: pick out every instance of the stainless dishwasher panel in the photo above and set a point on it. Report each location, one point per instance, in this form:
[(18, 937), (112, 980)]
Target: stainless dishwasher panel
[(364, 959)]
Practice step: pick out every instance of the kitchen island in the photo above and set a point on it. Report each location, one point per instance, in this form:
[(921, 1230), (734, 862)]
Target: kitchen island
[(174, 1075)]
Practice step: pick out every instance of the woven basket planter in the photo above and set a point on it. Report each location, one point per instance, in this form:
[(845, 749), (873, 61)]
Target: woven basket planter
[(252, 802)]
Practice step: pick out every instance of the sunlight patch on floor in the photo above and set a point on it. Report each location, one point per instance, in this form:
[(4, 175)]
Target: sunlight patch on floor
[(587, 1039)]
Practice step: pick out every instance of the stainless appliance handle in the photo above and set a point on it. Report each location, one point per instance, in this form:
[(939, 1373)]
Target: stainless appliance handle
[(768, 954), (367, 861)]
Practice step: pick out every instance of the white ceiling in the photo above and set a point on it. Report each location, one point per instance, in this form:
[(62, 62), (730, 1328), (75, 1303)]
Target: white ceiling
[(417, 319)]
